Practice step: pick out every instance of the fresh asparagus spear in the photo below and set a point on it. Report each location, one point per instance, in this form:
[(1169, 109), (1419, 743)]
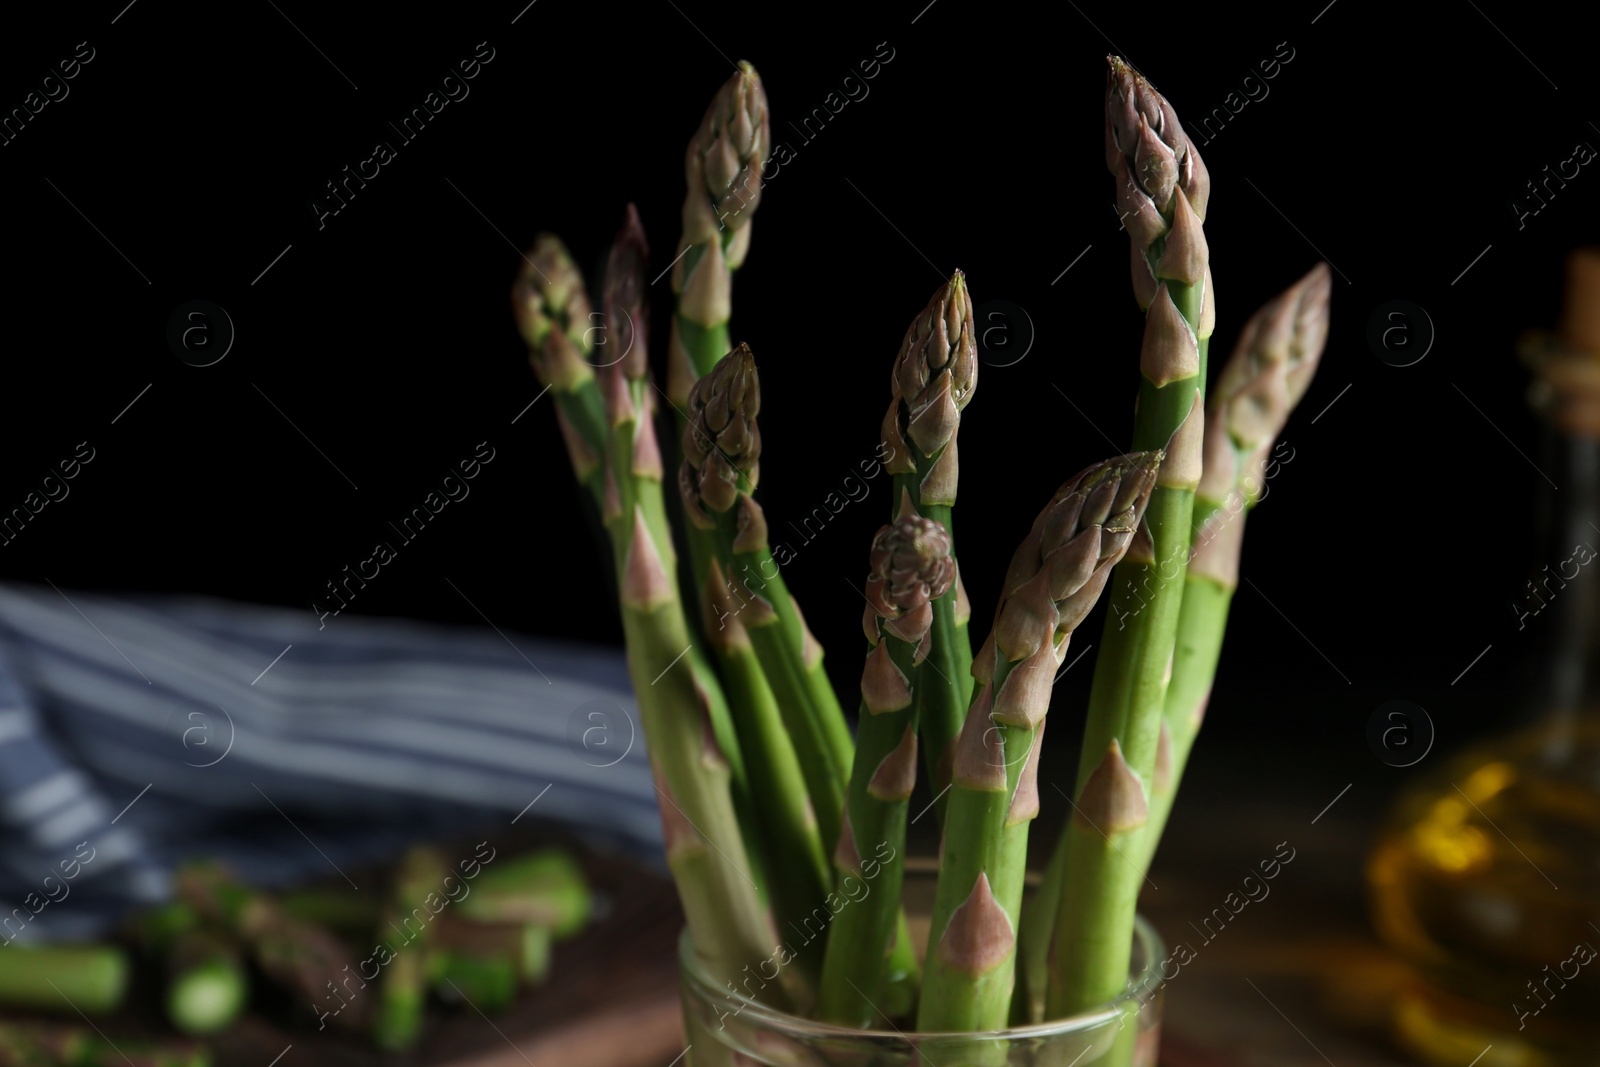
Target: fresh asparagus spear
[(721, 465), (548, 886), (722, 450), (691, 758), (911, 568), (789, 840), (535, 954), (1033, 939), (418, 882), (402, 993), (722, 447), (627, 315), (481, 963), (1055, 578), (722, 169), (207, 987), (545, 888), (935, 375), (1260, 385), (206, 982), (488, 983), (1162, 188), (297, 955), (91, 978), (705, 850), (555, 319)]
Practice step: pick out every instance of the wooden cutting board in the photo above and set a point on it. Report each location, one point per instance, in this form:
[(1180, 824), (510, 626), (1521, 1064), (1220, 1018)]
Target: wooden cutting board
[(611, 999)]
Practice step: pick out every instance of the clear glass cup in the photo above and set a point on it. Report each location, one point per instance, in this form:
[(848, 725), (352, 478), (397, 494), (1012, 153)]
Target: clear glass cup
[(728, 1028)]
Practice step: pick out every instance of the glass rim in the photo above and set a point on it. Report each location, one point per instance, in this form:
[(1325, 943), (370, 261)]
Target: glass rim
[(1142, 987)]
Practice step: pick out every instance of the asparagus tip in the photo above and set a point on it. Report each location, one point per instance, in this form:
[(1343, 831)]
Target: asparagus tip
[(626, 310), (936, 370), (721, 438)]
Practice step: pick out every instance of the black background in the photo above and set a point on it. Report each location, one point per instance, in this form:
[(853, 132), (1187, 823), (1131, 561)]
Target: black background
[(197, 138)]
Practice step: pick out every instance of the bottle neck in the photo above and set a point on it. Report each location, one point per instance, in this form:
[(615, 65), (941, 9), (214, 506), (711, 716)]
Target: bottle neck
[(1566, 581)]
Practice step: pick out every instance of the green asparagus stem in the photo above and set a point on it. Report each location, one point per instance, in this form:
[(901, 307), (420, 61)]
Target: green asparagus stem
[(1033, 937), (488, 983), (721, 465), (705, 851), (911, 568), (303, 958), (418, 882), (92, 978), (206, 982), (534, 958), (207, 987), (626, 314), (722, 173), (481, 963), (791, 659), (1055, 578), (555, 319), (935, 375), (1270, 370), (723, 176), (402, 991), (488, 959), (789, 835), (722, 169), (752, 705), (680, 700), (545, 888), (1162, 189)]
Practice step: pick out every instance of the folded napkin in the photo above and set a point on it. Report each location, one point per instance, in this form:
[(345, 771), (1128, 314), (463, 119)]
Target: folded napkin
[(138, 732)]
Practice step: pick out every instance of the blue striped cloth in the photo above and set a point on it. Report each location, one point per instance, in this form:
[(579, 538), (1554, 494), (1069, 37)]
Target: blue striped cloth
[(135, 733)]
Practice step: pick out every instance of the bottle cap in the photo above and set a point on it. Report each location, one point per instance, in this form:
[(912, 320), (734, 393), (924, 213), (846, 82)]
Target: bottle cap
[(1580, 314)]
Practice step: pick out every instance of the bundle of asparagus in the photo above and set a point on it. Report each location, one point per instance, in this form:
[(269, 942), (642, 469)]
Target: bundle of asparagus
[(775, 818)]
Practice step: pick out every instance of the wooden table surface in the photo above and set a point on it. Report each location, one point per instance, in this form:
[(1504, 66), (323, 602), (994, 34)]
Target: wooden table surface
[(1296, 977)]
